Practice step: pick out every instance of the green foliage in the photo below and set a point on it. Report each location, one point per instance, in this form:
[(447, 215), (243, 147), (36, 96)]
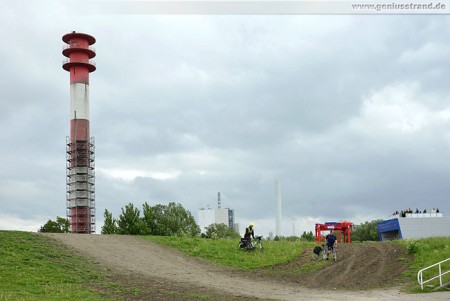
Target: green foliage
[(367, 231), (427, 252), (154, 220), (35, 268), (220, 231), (291, 238), (129, 221), (412, 246), (180, 222), (227, 252), (110, 225), (61, 225), (170, 220), (308, 236)]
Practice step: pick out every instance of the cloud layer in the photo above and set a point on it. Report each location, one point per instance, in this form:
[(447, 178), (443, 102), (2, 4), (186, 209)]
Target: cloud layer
[(350, 113)]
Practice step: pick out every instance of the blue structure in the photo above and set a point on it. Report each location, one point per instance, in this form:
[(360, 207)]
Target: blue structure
[(390, 229), (414, 226)]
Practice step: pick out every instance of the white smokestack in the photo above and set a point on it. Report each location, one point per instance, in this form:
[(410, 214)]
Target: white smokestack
[(278, 202)]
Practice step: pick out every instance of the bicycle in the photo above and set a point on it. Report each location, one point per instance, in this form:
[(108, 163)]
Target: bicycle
[(327, 251), (251, 245)]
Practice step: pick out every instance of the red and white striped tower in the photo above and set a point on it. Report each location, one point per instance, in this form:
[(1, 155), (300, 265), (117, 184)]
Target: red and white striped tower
[(80, 166)]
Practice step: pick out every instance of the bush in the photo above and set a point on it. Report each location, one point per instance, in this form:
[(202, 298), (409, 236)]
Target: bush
[(412, 246)]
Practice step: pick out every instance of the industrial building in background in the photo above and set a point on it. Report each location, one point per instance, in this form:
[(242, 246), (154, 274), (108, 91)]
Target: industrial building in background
[(80, 148), (209, 216)]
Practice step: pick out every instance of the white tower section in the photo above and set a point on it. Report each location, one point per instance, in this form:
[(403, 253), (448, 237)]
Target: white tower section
[(278, 202)]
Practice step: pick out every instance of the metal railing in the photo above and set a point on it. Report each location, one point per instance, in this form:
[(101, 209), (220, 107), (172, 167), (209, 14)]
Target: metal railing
[(67, 46), (441, 273), (417, 215), (68, 60)]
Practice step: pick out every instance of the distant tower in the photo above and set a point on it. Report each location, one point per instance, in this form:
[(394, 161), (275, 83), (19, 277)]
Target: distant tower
[(278, 202), (80, 164)]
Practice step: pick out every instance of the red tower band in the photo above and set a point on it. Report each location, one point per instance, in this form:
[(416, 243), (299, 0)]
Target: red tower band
[(80, 148)]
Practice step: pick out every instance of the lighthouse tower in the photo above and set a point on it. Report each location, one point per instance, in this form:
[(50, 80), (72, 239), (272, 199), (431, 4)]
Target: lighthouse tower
[(80, 163)]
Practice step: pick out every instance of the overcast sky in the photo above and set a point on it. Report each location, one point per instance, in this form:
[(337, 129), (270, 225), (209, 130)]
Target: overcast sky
[(351, 113)]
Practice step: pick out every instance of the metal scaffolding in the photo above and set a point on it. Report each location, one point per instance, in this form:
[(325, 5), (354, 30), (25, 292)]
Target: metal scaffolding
[(80, 185)]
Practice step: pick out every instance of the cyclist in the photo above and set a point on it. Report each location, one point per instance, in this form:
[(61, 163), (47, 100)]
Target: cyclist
[(331, 240), (249, 233)]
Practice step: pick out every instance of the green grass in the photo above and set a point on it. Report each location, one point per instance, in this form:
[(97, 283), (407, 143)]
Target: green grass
[(427, 252), (226, 251), (33, 267)]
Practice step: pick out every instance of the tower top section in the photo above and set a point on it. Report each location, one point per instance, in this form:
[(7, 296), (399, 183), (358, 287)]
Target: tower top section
[(73, 35), (78, 51)]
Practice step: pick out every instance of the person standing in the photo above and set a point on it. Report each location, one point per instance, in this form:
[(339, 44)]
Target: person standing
[(249, 233), (330, 240)]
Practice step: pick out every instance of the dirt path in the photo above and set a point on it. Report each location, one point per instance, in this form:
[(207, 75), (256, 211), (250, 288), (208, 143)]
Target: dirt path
[(359, 267), (147, 262)]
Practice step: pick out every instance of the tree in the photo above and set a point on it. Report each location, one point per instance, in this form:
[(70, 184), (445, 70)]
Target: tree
[(129, 221), (220, 231), (180, 221), (154, 220), (170, 220), (61, 225), (148, 219), (367, 231), (110, 225), (308, 236)]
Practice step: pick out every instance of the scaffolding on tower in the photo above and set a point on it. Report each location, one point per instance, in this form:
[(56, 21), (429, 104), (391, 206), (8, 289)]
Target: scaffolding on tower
[(80, 184)]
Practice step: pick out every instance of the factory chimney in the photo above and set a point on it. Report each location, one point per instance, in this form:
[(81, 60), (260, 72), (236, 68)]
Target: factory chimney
[(278, 204), (80, 172), (219, 203)]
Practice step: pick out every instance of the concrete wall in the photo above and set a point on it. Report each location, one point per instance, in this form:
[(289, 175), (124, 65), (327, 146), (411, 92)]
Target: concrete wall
[(206, 217), (424, 227)]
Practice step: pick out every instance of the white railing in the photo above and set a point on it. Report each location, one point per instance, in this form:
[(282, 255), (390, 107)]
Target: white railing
[(416, 215), (67, 46), (420, 273), (68, 60)]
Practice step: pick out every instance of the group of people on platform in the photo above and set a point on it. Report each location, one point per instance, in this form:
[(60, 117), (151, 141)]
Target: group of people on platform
[(403, 213)]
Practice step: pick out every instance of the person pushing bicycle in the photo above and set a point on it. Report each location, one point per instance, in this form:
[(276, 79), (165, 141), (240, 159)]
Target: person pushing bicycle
[(249, 233), (331, 241)]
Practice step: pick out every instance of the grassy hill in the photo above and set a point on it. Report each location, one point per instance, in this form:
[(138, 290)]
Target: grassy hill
[(35, 267)]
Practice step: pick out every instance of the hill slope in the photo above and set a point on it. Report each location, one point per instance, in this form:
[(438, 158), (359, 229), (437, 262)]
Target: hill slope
[(150, 265), (359, 267)]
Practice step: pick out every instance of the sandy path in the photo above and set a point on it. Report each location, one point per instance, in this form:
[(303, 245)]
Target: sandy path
[(133, 255)]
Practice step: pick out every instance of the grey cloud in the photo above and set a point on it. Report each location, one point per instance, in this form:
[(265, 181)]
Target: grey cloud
[(241, 103)]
